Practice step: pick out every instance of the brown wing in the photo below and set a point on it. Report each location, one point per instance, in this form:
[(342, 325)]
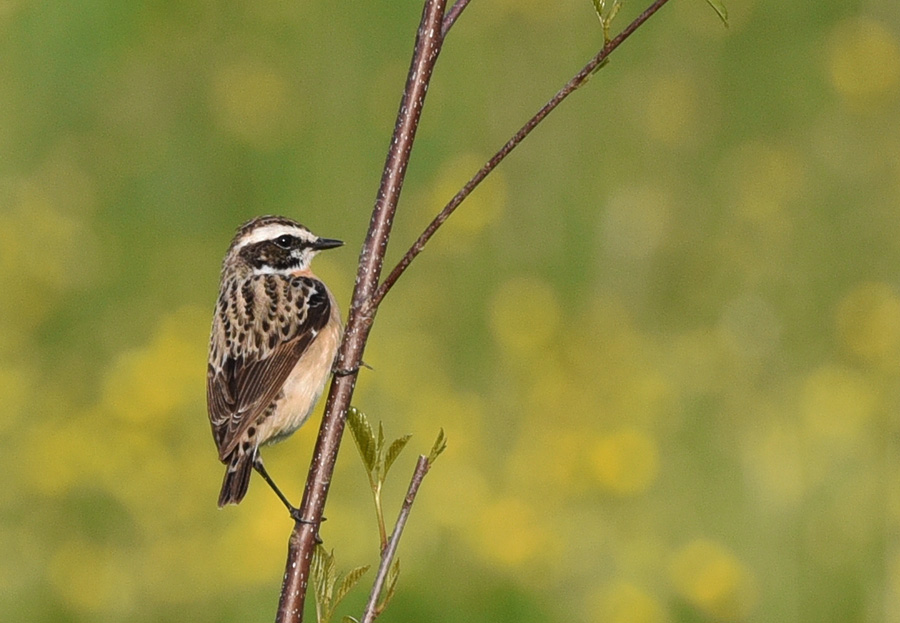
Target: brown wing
[(248, 376)]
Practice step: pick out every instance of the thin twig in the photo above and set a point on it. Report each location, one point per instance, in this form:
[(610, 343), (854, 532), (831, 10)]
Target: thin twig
[(387, 556), (304, 535), (577, 80), (452, 15)]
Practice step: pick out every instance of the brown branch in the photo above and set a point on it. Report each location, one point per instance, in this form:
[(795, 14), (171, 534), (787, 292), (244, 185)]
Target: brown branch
[(303, 538), (452, 15), (387, 555), (577, 81)]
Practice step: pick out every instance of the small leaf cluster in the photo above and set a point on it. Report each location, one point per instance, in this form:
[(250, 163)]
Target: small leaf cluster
[(377, 458), (325, 578), (606, 15), (440, 444), (607, 10)]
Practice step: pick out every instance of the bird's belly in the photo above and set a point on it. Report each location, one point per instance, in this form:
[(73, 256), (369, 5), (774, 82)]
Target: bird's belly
[(303, 387)]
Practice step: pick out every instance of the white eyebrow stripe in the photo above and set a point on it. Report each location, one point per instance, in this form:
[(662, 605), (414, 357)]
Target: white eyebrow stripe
[(270, 232), (267, 270)]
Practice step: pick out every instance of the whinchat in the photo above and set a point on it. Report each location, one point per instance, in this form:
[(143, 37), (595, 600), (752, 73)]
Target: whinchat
[(275, 333)]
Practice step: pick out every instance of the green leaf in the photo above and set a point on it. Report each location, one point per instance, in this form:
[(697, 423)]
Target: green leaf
[(349, 582), (364, 437), (390, 584), (440, 444), (719, 7), (613, 11), (322, 573), (378, 470), (394, 451), (324, 577), (349, 619)]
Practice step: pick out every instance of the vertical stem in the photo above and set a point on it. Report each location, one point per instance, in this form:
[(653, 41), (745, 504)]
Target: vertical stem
[(303, 537)]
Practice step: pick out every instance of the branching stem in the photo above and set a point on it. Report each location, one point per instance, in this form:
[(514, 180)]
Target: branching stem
[(368, 294), (387, 555), (452, 15), (572, 85)]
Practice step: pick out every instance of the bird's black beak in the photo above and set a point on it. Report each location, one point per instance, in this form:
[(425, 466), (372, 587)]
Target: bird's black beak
[(326, 243)]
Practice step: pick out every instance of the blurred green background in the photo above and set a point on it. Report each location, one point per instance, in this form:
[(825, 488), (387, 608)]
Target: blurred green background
[(663, 339)]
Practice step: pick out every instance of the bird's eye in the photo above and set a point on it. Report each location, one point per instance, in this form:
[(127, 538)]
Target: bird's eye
[(285, 241)]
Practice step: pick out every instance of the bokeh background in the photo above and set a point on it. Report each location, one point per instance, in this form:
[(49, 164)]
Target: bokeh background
[(663, 339)]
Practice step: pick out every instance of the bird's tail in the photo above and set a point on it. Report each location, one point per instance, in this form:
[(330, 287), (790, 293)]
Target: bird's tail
[(237, 479)]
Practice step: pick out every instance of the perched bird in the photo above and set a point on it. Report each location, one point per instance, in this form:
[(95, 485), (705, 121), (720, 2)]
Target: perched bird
[(274, 338)]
